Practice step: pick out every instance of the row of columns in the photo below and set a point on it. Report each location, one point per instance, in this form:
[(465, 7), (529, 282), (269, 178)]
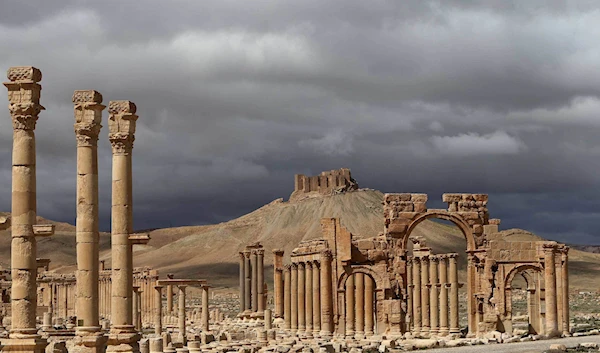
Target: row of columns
[(556, 282), (105, 296), (360, 301), (252, 282), (432, 294), (145, 281)]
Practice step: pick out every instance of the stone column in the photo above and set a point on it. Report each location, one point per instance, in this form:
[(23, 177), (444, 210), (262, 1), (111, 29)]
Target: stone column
[(242, 283), (433, 295), (417, 296), (472, 284), (316, 297), (326, 294), (121, 124), (359, 295), (182, 328), (308, 303), (169, 299), (88, 118), (287, 298), (301, 297), (369, 319), (278, 281), (136, 308), (565, 289), (294, 297), (550, 282), (443, 263), (260, 279), (23, 96), (254, 281), (158, 310), (409, 295), (454, 328), (426, 323), (205, 321), (350, 318), (248, 287)]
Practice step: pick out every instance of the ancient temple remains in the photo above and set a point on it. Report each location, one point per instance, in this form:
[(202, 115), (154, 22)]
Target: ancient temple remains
[(252, 284), (327, 183)]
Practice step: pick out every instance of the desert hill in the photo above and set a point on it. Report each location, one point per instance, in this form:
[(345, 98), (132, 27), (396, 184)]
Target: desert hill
[(211, 251)]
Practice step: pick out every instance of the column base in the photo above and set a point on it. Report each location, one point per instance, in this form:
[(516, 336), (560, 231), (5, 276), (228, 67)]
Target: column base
[(124, 340), (89, 340), (24, 345)]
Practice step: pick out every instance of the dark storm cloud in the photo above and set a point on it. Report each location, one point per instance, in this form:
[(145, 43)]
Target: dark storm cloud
[(235, 97)]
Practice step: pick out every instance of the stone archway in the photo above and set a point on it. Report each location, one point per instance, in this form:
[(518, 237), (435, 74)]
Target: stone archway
[(443, 215), (532, 275), (361, 290)]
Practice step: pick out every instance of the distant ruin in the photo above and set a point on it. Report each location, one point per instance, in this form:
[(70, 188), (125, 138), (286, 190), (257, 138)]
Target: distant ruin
[(326, 183)]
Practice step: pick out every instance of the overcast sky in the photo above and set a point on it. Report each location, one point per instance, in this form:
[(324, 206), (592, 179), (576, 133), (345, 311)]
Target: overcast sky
[(235, 97)]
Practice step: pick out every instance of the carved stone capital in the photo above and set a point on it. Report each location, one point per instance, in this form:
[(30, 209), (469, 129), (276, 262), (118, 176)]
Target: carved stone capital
[(121, 125), (326, 254), (24, 115), (88, 116), (278, 252), (24, 74), (121, 142)]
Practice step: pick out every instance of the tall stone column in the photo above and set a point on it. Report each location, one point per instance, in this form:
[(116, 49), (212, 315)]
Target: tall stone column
[(433, 295), (443, 270), (550, 282), (301, 297), (425, 319), (248, 274), (242, 283), (181, 316), (260, 279), (350, 317), (136, 308), (369, 319), (278, 281), (24, 98), (254, 282), (316, 297), (417, 296), (121, 123), (158, 311), (169, 299), (88, 118), (565, 288), (294, 297), (326, 294), (359, 295), (308, 303), (287, 298), (454, 328), (409, 295), (205, 321)]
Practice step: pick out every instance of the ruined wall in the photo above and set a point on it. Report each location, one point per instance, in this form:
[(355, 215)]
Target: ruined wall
[(326, 183)]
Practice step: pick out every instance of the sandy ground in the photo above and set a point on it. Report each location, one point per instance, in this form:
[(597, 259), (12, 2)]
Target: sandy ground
[(521, 347)]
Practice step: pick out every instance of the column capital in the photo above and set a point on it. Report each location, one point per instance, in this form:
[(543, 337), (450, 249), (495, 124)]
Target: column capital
[(416, 260), (260, 252), (434, 258), (278, 252), (549, 247), (121, 126), (453, 255), (247, 253), (241, 254), (287, 267), (24, 96), (294, 265), (88, 116), (326, 254)]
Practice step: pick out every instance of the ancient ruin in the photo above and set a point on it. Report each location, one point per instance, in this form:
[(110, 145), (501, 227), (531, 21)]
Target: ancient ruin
[(327, 183), (252, 283)]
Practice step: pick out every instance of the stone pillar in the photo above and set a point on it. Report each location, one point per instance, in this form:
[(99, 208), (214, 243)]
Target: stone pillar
[(409, 295), (359, 295), (158, 311), (248, 286), (294, 297), (443, 270), (88, 118), (278, 281), (316, 297), (550, 282), (308, 303), (136, 308), (433, 295), (287, 298), (369, 302), (23, 96), (121, 123), (417, 296), (242, 283), (454, 328), (268, 319), (260, 279), (182, 328), (254, 280), (205, 321), (326, 294), (65, 289), (565, 288), (350, 318), (426, 323), (472, 284), (169, 299), (301, 297)]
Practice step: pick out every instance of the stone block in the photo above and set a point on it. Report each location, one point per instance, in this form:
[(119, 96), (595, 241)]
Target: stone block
[(418, 197), (451, 197), (420, 207)]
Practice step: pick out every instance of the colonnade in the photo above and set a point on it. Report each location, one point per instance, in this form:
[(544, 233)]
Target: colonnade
[(432, 294), (252, 281), (360, 303)]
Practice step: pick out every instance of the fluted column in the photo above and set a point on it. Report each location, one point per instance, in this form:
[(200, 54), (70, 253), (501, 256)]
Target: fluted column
[(287, 298), (369, 302), (454, 328), (242, 283), (425, 319), (443, 270), (182, 328), (565, 289), (409, 295), (417, 295), (316, 297), (294, 297), (433, 295), (308, 302), (301, 297), (550, 282), (350, 317), (158, 310), (260, 279), (359, 307), (205, 321), (326, 294), (23, 95), (278, 281)]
